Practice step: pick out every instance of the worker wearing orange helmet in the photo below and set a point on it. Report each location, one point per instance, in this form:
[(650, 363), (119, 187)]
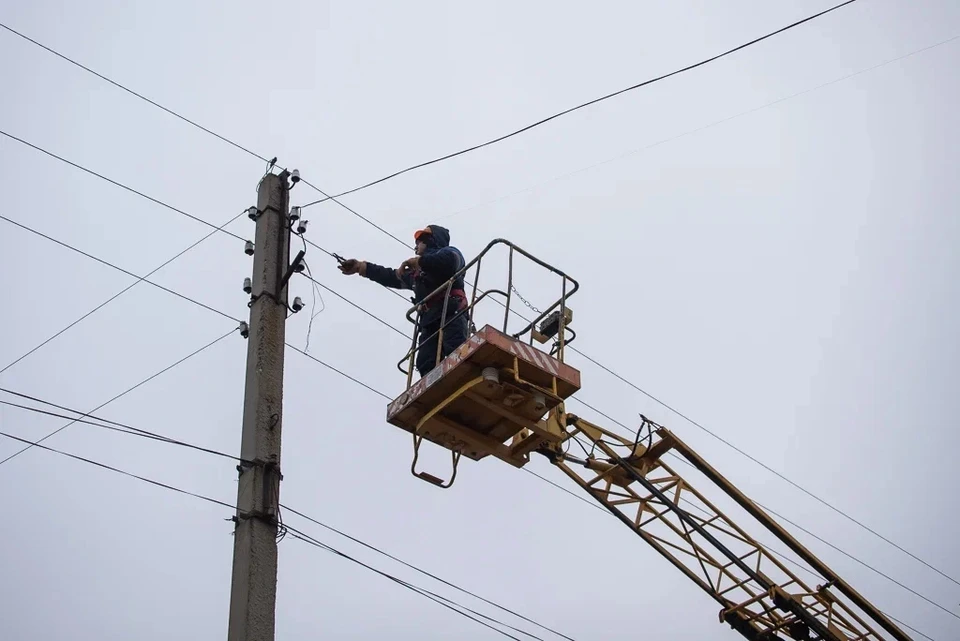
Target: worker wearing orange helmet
[(436, 261)]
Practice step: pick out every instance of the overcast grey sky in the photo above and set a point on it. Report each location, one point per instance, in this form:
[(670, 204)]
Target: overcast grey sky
[(786, 277)]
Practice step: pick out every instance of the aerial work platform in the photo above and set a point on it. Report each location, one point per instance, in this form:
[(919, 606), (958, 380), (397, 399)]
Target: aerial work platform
[(491, 395), (485, 393)]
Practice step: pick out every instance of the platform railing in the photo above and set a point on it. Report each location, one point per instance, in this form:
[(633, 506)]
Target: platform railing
[(568, 288)]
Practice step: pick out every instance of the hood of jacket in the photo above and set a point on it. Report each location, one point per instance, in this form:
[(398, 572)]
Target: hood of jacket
[(440, 237)]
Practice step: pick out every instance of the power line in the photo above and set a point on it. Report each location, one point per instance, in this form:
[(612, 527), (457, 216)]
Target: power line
[(327, 197), (118, 184), (356, 306), (664, 141), (793, 523), (421, 571), (115, 426), (785, 558), (132, 92), (115, 296), (297, 534), (114, 469), (863, 563), (121, 394), (338, 371), (762, 464), (119, 269), (587, 104)]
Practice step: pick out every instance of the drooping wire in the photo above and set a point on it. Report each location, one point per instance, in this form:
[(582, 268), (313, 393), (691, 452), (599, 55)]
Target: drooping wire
[(313, 307), (313, 289), (122, 394), (355, 306), (585, 104)]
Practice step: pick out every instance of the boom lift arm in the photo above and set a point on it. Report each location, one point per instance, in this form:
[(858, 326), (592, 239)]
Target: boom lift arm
[(500, 396), (759, 596)]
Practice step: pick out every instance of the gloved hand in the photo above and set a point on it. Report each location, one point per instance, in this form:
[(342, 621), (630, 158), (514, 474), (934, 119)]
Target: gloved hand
[(353, 266), (409, 264)]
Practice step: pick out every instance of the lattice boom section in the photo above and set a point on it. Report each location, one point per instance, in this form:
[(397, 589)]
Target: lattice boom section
[(759, 596)]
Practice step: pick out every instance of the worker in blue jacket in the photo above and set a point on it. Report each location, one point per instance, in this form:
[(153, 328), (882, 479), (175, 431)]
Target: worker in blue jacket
[(436, 261)]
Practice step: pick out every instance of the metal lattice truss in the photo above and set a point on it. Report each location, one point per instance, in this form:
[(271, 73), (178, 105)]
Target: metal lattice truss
[(759, 596)]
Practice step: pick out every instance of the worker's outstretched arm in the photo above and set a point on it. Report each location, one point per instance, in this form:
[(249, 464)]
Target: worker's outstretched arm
[(377, 273)]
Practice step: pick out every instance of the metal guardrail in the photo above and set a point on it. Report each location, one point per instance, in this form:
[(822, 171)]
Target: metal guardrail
[(447, 287)]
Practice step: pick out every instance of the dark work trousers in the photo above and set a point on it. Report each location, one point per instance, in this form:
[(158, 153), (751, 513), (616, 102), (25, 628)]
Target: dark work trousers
[(455, 333)]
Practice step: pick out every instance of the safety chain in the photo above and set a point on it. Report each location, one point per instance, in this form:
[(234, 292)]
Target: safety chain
[(524, 300)]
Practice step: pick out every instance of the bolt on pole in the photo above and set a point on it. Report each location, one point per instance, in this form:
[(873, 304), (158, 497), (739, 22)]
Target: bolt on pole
[(253, 593)]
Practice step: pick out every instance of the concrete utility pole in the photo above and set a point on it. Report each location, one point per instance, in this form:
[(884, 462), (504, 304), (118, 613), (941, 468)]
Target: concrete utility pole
[(253, 593)]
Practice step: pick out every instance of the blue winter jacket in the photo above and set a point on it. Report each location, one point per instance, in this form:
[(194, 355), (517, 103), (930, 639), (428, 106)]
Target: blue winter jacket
[(437, 265)]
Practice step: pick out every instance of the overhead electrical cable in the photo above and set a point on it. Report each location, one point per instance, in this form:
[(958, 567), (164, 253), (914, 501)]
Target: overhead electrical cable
[(586, 104), (41, 446), (118, 184), (106, 424), (421, 571), (120, 269), (132, 92), (690, 132), (447, 603)]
